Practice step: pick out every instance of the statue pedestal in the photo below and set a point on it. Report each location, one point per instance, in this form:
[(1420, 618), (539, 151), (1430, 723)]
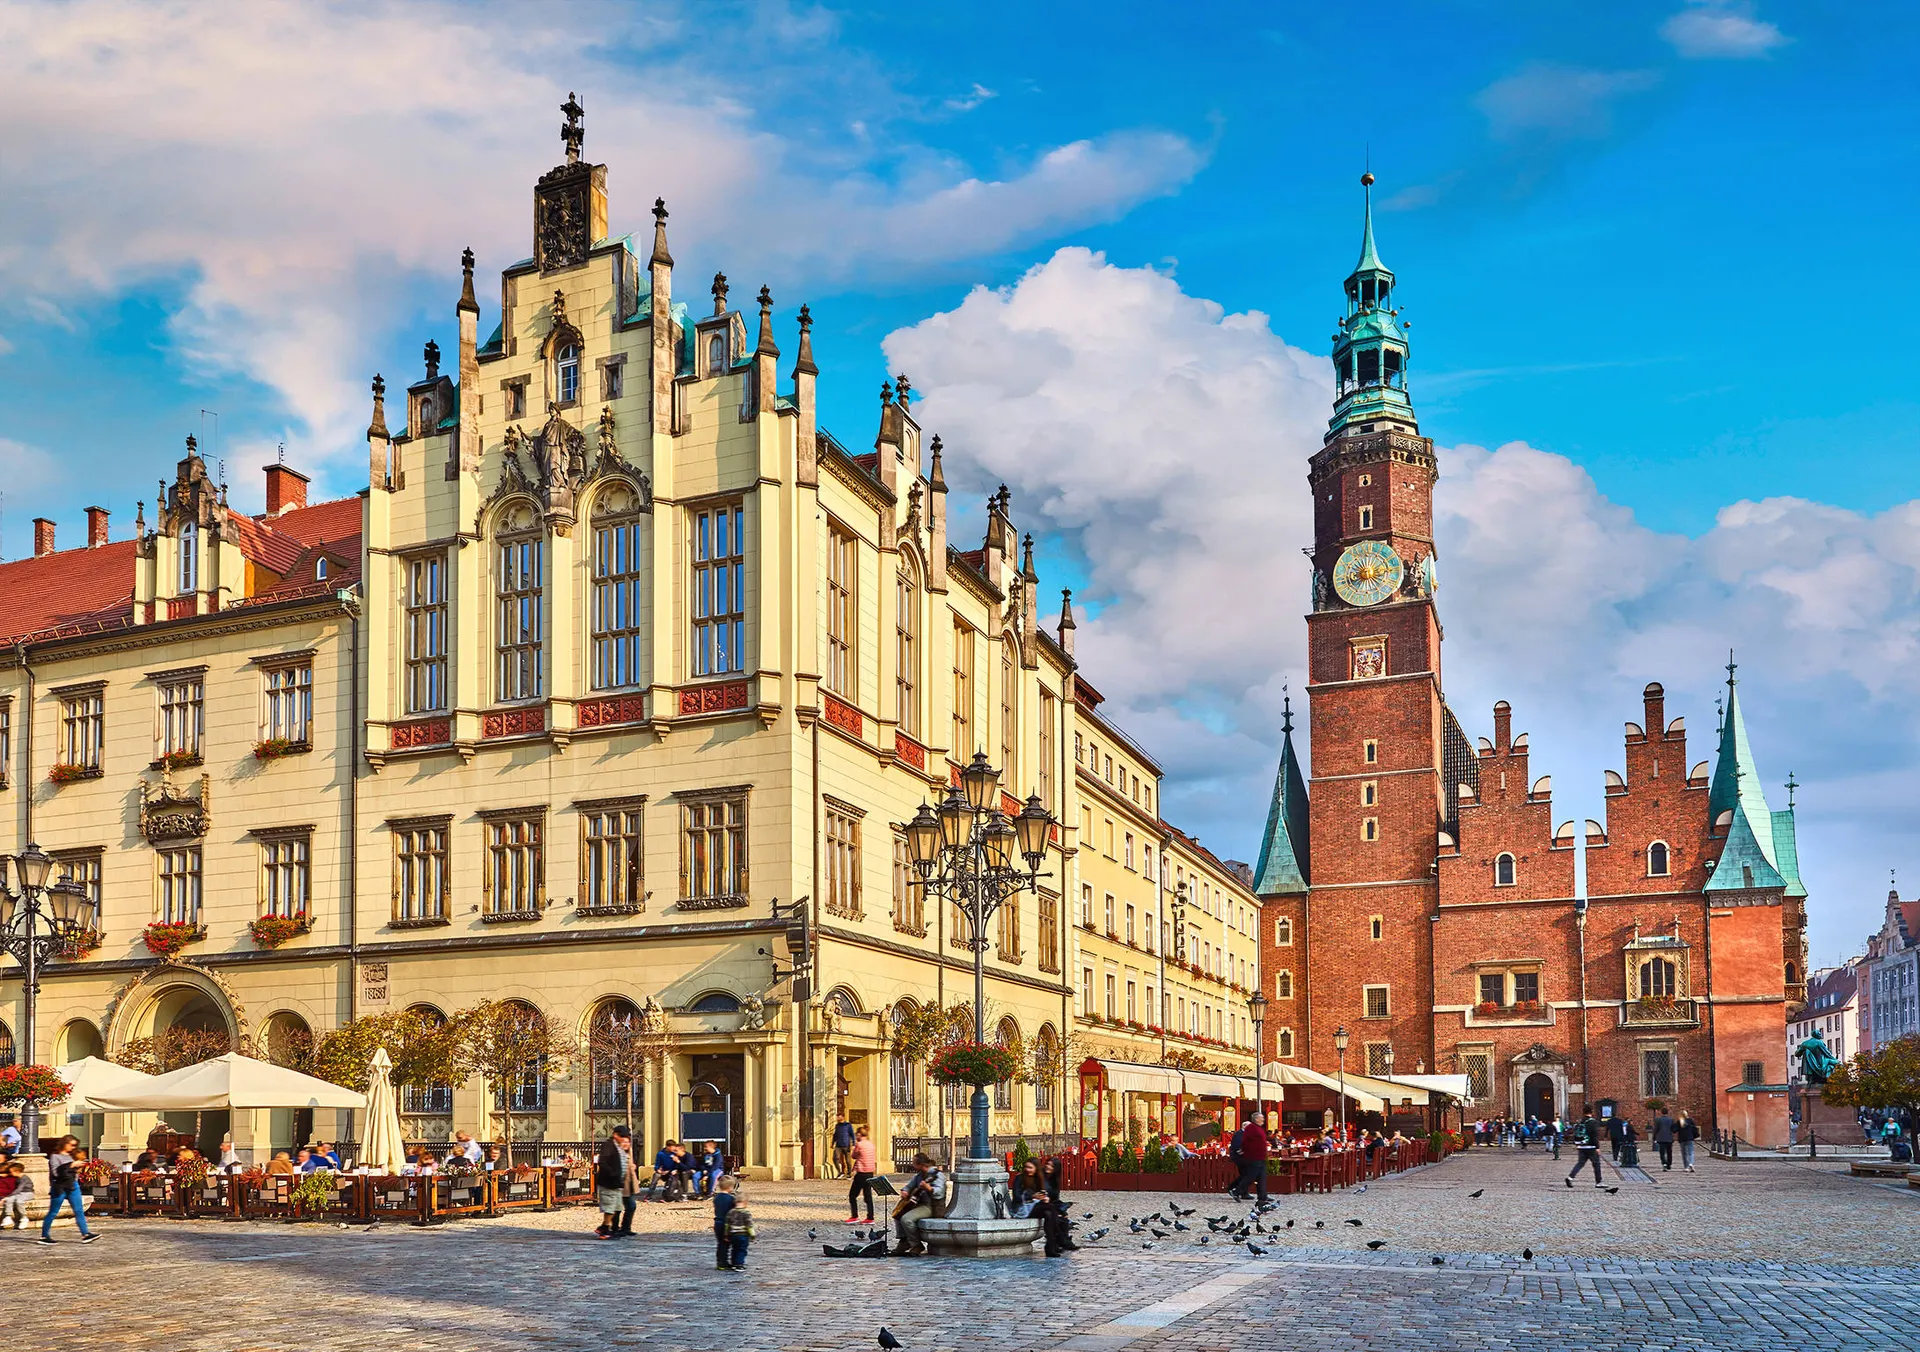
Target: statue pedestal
[(1831, 1123), (979, 1224)]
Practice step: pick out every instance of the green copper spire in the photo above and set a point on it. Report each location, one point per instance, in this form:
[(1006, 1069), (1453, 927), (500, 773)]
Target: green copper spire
[(1283, 869), (1370, 351), (1749, 858)]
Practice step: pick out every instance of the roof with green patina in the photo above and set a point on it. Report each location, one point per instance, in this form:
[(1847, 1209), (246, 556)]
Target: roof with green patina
[(1751, 858), (1786, 852), (1284, 869)]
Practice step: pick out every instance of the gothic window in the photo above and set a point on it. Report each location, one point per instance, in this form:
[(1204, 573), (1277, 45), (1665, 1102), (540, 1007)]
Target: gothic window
[(843, 613), (566, 373), (616, 1026), (717, 354), (426, 633), (1283, 1044), (519, 623), (1376, 927), (1283, 932), (1503, 871), (962, 693), (1283, 985), (189, 558), (1370, 751), (320, 570), (616, 589), (719, 590), (906, 653), (1370, 828), (1369, 793), (1657, 859), (1045, 1054), (1659, 979)]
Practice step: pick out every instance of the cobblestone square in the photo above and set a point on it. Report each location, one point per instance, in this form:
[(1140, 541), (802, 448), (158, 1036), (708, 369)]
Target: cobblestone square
[(1740, 1255)]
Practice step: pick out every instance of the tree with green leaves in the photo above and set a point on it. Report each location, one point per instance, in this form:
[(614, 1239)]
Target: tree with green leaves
[(1886, 1078), (422, 1046)]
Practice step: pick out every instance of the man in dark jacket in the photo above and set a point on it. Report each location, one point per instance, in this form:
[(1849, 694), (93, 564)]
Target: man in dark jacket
[(1665, 1131), (1252, 1154), (613, 1180), (1585, 1135), (1616, 1134)]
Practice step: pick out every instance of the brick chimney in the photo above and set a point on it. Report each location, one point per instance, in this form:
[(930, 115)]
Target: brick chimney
[(42, 537), (1502, 726), (96, 527), (286, 489), (1655, 699)]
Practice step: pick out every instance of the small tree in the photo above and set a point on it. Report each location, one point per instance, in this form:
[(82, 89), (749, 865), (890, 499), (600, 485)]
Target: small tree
[(420, 1045), (1887, 1078), (626, 1043), (506, 1041)]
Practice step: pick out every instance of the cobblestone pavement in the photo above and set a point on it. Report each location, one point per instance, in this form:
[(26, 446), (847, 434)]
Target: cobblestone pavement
[(1738, 1256)]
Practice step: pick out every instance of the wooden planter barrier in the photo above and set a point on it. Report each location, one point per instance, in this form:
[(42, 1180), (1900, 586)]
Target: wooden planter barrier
[(269, 1198), (155, 1196), (216, 1199), (570, 1185), (395, 1197), (342, 1204), (106, 1199), (451, 1195), (509, 1193)]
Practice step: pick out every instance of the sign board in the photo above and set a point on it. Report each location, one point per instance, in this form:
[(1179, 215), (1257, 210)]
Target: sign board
[(704, 1126)]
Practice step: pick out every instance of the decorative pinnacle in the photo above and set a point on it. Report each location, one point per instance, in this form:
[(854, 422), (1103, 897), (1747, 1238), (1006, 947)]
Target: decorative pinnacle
[(1066, 609), (467, 302), (1366, 179), (803, 363), (1026, 560), (1286, 708), (936, 476), (192, 445), (766, 347), (1731, 668), (1792, 784), (719, 293), (902, 389), (378, 427), (661, 257), (572, 134), (432, 355), (886, 393)]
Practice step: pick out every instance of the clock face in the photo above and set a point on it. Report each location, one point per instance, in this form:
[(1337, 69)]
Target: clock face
[(1367, 573)]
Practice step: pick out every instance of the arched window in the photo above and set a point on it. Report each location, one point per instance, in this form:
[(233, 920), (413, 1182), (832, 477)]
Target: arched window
[(6, 1044), (844, 1002), (717, 354), (526, 1090), (189, 557), (288, 1041), (903, 1076), (616, 588), (1283, 1045), (906, 652), (1006, 1035), (1503, 871), (1009, 710), (426, 1099), (616, 1059), (1046, 1051), (1657, 859), (1283, 985), (320, 570), (520, 595), (1659, 979), (566, 373), (716, 1002), (1283, 932), (1792, 974)]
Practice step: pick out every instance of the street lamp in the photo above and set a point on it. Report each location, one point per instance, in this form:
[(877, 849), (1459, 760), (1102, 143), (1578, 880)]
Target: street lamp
[(31, 934), (1386, 1067), (1257, 1011), (966, 853), (1340, 1045)]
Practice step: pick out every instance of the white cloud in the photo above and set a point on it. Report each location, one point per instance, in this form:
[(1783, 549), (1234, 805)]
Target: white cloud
[(972, 99), (304, 169), (1720, 30), (1553, 102), (47, 312), (1165, 441)]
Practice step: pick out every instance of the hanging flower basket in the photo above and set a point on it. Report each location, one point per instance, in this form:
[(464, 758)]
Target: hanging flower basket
[(972, 1063), (21, 1085), (164, 938), (94, 1173), (270, 931)]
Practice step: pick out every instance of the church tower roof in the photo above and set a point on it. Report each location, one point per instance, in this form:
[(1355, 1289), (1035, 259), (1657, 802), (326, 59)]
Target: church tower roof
[(1370, 350), (1284, 869), (1749, 858)]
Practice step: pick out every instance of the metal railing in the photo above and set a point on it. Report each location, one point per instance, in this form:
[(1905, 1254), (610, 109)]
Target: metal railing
[(906, 1147), (1725, 1145)]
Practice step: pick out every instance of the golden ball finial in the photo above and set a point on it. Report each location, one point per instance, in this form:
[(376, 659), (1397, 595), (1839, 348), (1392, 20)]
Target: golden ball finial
[(1366, 179)]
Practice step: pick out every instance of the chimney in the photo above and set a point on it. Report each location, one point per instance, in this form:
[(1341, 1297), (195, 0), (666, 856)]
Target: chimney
[(1656, 701), (286, 491), (96, 527), (42, 537), (1502, 726)]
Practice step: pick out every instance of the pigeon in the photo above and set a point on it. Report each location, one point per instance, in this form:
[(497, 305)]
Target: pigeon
[(1178, 1212), (1256, 1250), (1259, 1227), (1611, 1191), (1527, 1254), (1438, 1261), (369, 1229), (1181, 1225), (1475, 1193), (343, 1225), (1159, 1234), (1147, 1245), (1353, 1222), (812, 1233), (1087, 1217), (1101, 1233), (887, 1340), (1289, 1225), (1319, 1225), (1376, 1244), (1221, 1220), (1115, 1216), (1206, 1239)]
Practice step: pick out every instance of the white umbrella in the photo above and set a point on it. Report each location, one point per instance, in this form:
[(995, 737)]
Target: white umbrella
[(230, 1081), (90, 1078), (382, 1150)]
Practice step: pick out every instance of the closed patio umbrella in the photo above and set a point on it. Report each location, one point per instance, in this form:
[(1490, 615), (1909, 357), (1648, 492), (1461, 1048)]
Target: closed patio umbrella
[(383, 1150)]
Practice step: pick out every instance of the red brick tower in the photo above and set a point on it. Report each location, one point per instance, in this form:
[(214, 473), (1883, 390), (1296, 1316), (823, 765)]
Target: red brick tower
[(1382, 738)]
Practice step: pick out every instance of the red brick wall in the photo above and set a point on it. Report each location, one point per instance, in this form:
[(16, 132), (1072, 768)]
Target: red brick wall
[(1284, 1013)]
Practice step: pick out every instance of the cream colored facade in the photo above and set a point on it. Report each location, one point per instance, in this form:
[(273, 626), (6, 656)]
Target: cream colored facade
[(638, 670)]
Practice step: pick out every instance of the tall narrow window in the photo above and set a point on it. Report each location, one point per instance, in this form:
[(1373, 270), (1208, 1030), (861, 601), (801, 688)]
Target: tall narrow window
[(1659, 979), (1283, 985), (566, 369), (616, 590), (179, 891), (713, 856), (285, 877), (6, 743), (1656, 1073), (1049, 932), (189, 558), (1657, 859), (288, 697), (610, 858), (1009, 712), (182, 706), (1283, 1046), (612, 381), (1009, 927), (906, 653), (84, 867), (520, 671), (515, 884), (719, 590), (83, 729), (903, 1073), (426, 626), (843, 864), (1045, 1055), (1503, 871), (843, 566), (420, 878), (963, 744), (1049, 714), (907, 895)]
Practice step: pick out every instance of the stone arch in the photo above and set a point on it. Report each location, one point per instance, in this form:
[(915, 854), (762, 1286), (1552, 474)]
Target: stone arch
[(169, 994), (77, 1039), (843, 1000), (617, 497), (714, 1002), (286, 1039)]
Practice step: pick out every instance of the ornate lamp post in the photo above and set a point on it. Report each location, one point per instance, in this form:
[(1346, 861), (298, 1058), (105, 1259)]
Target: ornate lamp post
[(1340, 1045), (1257, 1010), (964, 852), (31, 935), (1386, 1067)]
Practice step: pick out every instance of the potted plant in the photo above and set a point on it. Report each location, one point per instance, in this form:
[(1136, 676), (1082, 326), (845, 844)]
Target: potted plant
[(86, 941), (68, 774), (164, 938), (176, 760), (21, 1085), (273, 748), (974, 1063), (270, 931)]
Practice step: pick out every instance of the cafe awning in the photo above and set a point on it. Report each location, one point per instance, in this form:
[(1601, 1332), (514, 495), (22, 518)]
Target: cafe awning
[(1208, 1084), (91, 1078), (1456, 1085), (1128, 1077), (1393, 1091), (1282, 1073)]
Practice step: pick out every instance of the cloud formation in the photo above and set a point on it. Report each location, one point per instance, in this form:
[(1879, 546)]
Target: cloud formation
[(1724, 30), (1164, 440), (340, 158), (1546, 101)]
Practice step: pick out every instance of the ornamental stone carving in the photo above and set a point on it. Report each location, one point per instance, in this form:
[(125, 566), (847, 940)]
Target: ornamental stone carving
[(170, 813)]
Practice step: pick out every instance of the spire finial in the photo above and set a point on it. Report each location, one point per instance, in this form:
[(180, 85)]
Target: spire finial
[(1066, 609), (936, 475), (901, 389), (886, 393), (1286, 708), (467, 302), (1026, 559), (1792, 784), (719, 293), (661, 257), (572, 133), (378, 427), (432, 355), (766, 347), (1732, 667), (803, 360)]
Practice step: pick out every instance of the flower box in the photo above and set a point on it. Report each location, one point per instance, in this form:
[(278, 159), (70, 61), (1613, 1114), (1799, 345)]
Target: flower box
[(86, 941), (273, 748), (72, 774), (176, 760), (974, 1063), (270, 931), (164, 938)]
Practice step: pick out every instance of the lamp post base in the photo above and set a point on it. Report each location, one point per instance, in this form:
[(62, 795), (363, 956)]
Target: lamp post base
[(980, 1223)]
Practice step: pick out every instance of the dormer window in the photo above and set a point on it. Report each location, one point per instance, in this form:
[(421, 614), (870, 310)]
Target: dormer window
[(189, 558), (566, 370), (320, 570), (717, 354)]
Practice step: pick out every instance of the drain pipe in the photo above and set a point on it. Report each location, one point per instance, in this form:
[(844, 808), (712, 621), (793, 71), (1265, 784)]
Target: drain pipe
[(1586, 1083)]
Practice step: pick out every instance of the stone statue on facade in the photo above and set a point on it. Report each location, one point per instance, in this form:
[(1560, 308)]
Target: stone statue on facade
[(753, 1013)]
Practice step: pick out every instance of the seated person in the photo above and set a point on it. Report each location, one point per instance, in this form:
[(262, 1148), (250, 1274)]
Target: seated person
[(306, 1162), (328, 1157), (925, 1191), (492, 1161), (281, 1163), (424, 1163)]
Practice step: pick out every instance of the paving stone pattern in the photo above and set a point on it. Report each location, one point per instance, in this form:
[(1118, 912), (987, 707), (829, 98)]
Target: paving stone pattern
[(1748, 1255)]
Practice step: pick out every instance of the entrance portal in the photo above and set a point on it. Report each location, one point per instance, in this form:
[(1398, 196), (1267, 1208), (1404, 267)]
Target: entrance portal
[(1538, 1097)]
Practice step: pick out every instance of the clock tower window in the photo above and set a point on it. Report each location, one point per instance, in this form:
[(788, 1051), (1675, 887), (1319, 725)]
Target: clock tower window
[(1366, 518)]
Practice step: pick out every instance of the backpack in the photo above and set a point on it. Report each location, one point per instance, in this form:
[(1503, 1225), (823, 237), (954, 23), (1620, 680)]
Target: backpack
[(739, 1223)]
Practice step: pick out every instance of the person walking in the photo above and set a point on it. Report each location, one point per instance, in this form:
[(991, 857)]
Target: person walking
[(1665, 1131), (1688, 1132), (724, 1202), (860, 1161), (613, 1179), (1254, 1146), (64, 1186), (1616, 1134), (842, 1149), (1585, 1135), (1555, 1130)]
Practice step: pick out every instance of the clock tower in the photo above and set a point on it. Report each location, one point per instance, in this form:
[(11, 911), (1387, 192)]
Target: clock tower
[(1382, 738)]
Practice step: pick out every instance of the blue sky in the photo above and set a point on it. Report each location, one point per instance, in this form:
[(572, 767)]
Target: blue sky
[(1654, 255)]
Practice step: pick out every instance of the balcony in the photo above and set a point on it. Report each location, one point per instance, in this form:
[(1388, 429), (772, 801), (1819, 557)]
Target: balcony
[(1660, 1011)]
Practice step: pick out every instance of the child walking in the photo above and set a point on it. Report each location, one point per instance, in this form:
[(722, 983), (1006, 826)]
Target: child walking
[(16, 1190), (732, 1227)]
